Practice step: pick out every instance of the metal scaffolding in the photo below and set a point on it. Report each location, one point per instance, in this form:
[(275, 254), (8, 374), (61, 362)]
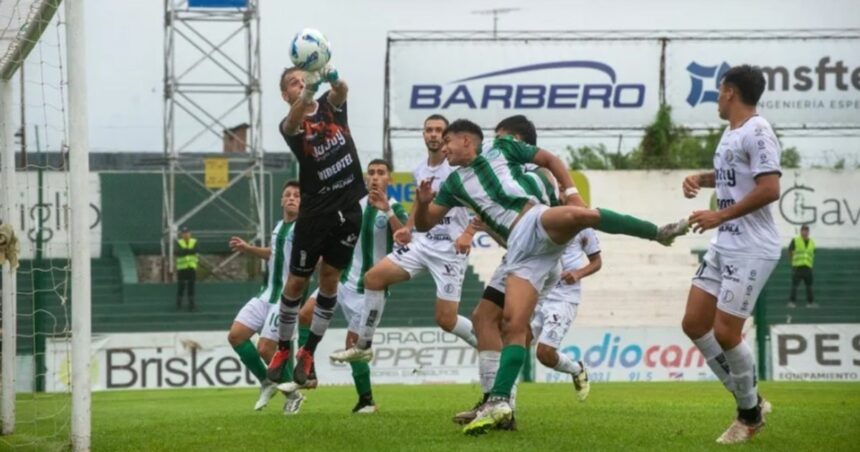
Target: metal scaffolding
[(211, 84)]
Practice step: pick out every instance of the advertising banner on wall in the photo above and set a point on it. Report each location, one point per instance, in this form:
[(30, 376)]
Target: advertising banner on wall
[(633, 354), (52, 211), (558, 84), (809, 82), (206, 360), (822, 352)]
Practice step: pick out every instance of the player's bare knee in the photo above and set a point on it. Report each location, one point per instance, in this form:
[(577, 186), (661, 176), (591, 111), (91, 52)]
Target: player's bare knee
[(446, 321), (306, 316), (234, 338), (294, 287), (374, 280), (694, 328), (547, 355), (726, 336), (266, 349)]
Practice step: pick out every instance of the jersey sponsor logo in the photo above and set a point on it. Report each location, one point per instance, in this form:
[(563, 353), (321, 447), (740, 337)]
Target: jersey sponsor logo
[(475, 93), (321, 137), (725, 177), (725, 203), (328, 172), (730, 228)]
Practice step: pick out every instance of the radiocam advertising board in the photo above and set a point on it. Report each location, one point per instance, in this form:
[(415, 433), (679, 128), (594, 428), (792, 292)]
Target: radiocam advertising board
[(820, 352), (633, 354), (558, 84), (206, 360)]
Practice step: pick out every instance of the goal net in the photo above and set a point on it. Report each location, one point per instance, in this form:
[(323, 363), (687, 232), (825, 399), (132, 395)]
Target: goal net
[(41, 209)]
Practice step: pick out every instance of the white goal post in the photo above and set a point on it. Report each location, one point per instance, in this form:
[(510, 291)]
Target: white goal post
[(19, 41)]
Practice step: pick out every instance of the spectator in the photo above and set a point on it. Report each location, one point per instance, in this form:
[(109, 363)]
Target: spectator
[(186, 267), (801, 252)]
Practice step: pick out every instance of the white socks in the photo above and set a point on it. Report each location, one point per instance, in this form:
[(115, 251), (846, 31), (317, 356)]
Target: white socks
[(463, 330), (715, 358), (488, 365), (567, 365), (371, 315), (742, 365)]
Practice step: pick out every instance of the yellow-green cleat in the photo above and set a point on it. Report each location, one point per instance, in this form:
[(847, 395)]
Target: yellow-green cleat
[(580, 384), (496, 411)]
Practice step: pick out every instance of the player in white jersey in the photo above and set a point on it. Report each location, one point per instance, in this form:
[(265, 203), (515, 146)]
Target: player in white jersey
[(745, 249), (260, 313), (555, 312), (432, 250), (381, 216), (535, 234)]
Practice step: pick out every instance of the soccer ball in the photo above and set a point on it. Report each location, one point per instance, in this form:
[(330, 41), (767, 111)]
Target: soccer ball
[(310, 50)]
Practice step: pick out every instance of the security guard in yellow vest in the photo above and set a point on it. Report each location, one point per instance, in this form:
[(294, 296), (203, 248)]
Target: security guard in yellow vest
[(186, 267), (801, 252)]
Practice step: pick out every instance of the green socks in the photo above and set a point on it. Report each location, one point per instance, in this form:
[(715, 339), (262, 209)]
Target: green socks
[(251, 358), (304, 332), (616, 223), (510, 363), (361, 377)]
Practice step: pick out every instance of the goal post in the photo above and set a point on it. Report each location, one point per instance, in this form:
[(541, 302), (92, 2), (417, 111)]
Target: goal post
[(23, 27)]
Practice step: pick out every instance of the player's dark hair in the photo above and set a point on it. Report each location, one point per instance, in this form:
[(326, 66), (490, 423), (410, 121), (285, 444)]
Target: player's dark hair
[(519, 125), (748, 80), (465, 126), (291, 183), (283, 82), (437, 117), (381, 162), (804, 228)]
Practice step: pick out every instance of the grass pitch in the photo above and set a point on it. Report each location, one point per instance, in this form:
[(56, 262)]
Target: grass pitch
[(628, 416)]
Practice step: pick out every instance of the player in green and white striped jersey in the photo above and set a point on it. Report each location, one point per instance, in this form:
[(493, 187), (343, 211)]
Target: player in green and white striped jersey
[(381, 216), (490, 184), (260, 314)]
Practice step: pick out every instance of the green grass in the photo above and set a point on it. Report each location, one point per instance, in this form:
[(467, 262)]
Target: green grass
[(629, 416)]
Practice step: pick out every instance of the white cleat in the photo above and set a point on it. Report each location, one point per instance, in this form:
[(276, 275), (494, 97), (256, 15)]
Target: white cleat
[(353, 355), (667, 233), (268, 389), (739, 432), (293, 404), (580, 384), (291, 386), (493, 414)]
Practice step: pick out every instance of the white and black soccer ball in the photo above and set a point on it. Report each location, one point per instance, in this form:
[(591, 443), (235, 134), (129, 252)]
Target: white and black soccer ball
[(310, 50)]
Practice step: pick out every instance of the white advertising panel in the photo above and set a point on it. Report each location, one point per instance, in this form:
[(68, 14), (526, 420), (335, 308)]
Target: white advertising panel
[(558, 84), (825, 352), (206, 360), (53, 212), (633, 354), (810, 83)]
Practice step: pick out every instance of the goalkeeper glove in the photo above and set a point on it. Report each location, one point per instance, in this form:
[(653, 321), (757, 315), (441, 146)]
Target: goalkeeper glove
[(329, 74), (313, 80)]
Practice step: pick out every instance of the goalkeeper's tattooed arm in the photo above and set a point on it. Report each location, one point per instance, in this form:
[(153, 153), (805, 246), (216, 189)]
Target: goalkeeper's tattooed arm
[(339, 88)]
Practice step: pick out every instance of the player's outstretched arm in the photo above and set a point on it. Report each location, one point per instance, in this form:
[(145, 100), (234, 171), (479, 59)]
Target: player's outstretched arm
[(694, 182), (339, 88), (241, 246), (558, 169), (303, 105), (427, 213)]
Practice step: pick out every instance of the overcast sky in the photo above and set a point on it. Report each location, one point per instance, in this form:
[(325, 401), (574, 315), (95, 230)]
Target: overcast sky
[(126, 59)]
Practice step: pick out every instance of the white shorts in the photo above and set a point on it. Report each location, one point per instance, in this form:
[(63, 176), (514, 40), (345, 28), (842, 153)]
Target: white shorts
[(551, 322), (261, 317), (736, 281), (446, 267), (531, 253), (497, 280), (351, 303)]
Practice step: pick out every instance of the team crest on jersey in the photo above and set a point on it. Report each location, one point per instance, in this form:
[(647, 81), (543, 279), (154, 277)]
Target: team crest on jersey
[(381, 221), (492, 154)]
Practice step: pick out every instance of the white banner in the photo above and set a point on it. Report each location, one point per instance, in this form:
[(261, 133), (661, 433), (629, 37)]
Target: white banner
[(810, 83), (206, 360), (826, 352), (53, 212), (634, 354), (558, 84)]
